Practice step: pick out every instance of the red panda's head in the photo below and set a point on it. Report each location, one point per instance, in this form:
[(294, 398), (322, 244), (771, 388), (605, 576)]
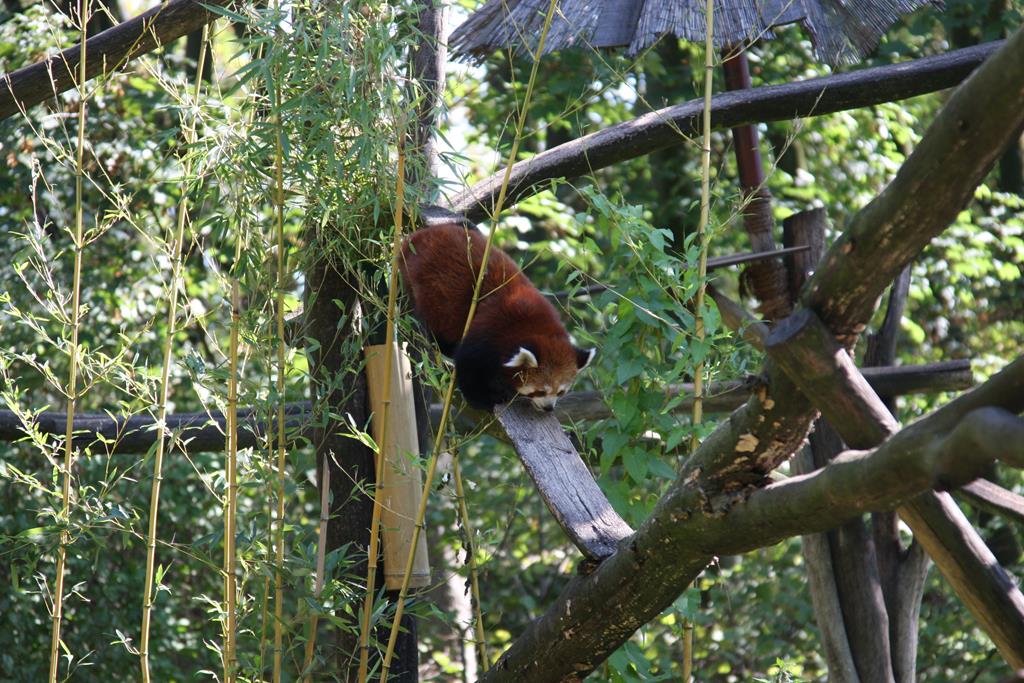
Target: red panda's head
[(543, 369)]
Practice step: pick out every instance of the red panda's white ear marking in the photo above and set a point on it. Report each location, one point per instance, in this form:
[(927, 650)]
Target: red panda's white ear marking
[(523, 358), (584, 356)]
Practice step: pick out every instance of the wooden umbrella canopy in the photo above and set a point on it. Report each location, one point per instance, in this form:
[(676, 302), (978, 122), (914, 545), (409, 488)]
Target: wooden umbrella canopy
[(843, 31)]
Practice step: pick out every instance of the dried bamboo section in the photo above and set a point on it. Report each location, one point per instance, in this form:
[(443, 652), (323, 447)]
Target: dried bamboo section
[(402, 484)]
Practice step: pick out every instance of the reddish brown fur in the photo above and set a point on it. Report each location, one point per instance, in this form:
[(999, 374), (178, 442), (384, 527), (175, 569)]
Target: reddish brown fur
[(439, 266)]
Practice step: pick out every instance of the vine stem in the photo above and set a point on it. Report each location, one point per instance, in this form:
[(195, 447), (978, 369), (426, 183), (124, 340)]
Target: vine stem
[(72, 392), (177, 246), (389, 341), (474, 581), (450, 391), (702, 270)]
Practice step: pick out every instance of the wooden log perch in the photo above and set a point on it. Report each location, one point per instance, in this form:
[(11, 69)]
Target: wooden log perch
[(984, 494), (198, 432), (674, 545), (194, 432), (564, 482), (673, 125), (106, 52), (825, 373)]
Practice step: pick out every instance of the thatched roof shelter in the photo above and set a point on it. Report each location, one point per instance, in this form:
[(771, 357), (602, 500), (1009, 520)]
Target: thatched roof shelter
[(843, 31)]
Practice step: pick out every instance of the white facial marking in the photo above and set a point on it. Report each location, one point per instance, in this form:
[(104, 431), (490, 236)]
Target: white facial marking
[(545, 403), (523, 358)]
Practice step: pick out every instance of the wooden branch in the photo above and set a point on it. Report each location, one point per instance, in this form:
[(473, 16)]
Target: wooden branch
[(649, 570), (988, 592), (712, 264), (824, 372), (970, 132), (106, 52), (194, 432), (670, 549), (204, 431), (983, 494), (739, 320), (672, 125), (564, 482), (902, 573), (724, 397), (821, 582)]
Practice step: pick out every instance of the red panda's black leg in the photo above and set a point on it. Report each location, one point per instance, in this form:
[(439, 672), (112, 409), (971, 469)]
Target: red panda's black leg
[(480, 375)]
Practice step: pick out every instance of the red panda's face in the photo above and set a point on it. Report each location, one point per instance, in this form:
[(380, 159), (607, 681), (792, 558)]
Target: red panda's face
[(544, 376)]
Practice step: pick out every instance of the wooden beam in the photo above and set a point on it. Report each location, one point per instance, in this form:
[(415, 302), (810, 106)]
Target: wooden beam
[(204, 431), (106, 53), (674, 125), (566, 485)]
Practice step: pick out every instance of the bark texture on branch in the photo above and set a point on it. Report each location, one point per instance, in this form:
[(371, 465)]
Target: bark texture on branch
[(704, 511), (106, 52), (564, 482), (672, 125), (677, 541), (995, 499)]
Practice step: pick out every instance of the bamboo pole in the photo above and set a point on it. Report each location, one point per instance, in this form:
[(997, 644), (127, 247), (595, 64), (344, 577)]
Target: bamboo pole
[(318, 583), (702, 270), (474, 581), (231, 475), (281, 352), (446, 409), (177, 246), (72, 392)]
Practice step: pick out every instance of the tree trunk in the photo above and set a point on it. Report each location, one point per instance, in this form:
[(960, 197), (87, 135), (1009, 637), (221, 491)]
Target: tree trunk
[(330, 306)]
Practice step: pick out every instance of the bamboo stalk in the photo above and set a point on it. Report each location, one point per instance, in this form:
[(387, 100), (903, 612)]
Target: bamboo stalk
[(389, 341), (702, 270), (474, 582), (76, 286), (230, 658), (321, 554), (231, 471), (177, 246), (446, 409), (279, 312)]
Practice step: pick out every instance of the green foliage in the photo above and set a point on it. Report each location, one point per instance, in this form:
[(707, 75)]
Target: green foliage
[(344, 103)]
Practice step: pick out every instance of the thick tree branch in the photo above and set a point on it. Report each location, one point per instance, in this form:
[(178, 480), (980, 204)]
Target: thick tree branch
[(677, 541), (672, 125), (575, 634), (105, 53), (825, 373), (995, 499), (194, 432)]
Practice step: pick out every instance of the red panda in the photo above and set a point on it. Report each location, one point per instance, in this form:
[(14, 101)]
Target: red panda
[(516, 344)]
